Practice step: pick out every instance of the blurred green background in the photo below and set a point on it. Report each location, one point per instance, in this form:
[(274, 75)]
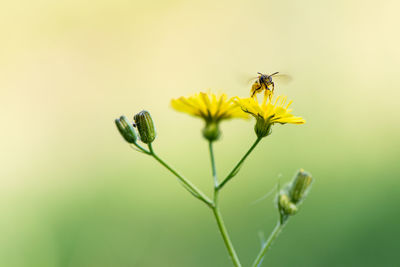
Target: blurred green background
[(73, 193)]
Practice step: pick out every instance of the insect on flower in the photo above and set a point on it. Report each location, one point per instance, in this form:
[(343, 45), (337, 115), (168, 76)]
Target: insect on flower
[(264, 83)]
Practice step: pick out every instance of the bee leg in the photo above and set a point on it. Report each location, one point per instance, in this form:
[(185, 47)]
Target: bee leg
[(255, 89), (268, 94)]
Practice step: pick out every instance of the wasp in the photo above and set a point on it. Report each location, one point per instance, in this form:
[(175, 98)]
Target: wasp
[(265, 83)]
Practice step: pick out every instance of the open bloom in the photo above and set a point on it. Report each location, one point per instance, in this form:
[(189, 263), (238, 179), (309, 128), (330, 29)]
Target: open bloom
[(211, 108), (267, 113)]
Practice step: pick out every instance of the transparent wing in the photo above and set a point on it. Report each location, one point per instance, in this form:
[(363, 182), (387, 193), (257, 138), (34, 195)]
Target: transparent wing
[(252, 79), (282, 78), (245, 78)]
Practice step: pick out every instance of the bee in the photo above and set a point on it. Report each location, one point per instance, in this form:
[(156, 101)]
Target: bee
[(264, 83)]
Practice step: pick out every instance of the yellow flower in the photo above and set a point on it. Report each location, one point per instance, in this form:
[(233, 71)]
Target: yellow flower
[(269, 112), (211, 108)]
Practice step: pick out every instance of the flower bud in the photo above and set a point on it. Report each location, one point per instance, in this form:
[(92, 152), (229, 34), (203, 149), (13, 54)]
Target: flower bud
[(300, 186), (286, 207), (211, 131), (290, 198), (262, 127), (145, 127), (126, 129)]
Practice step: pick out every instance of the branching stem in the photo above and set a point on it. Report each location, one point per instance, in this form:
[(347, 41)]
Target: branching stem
[(237, 166), (186, 183), (213, 204), (217, 214)]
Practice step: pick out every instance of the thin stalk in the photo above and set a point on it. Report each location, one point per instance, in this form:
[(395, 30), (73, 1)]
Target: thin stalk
[(214, 169), (267, 244), (237, 166), (217, 214), (225, 236), (140, 149), (187, 184)]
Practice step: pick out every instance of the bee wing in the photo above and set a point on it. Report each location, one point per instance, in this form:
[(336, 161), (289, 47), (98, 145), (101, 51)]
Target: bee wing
[(245, 78), (282, 78), (252, 79)]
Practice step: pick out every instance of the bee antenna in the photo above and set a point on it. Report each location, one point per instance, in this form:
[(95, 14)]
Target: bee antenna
[(274, 73)]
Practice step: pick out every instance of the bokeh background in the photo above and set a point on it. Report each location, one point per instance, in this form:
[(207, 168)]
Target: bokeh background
[(72, 192)]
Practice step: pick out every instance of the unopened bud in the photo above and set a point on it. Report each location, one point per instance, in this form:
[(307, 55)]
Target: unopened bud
[(126, 129), (211, 131), (300, 186), (290, 198), (145, 127), (286, 207), (262, 127)]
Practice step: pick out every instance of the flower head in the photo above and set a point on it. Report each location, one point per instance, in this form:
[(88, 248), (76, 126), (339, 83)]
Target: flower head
[(269, 112), (211, 108)]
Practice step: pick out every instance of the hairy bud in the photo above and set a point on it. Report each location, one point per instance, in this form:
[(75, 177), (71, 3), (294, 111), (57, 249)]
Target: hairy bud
[(290, 198), (126, 129), (286, 207), (300, 186), (145, 126)]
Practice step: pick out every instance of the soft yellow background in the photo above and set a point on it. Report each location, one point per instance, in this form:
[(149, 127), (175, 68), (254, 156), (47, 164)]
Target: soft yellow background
[(72, 193)]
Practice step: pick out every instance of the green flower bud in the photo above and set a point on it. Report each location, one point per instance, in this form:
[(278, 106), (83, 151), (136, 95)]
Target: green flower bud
[(300, 186), (262, 127), (211, 131), (126, 129), (286, 207), (290, 198), (145, 127)]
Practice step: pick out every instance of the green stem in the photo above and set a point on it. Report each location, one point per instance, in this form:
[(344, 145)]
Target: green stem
[(141, 149), (217, 214), (225, 236), (214, 169), (187, 184), (236, 168), (267, 244)]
